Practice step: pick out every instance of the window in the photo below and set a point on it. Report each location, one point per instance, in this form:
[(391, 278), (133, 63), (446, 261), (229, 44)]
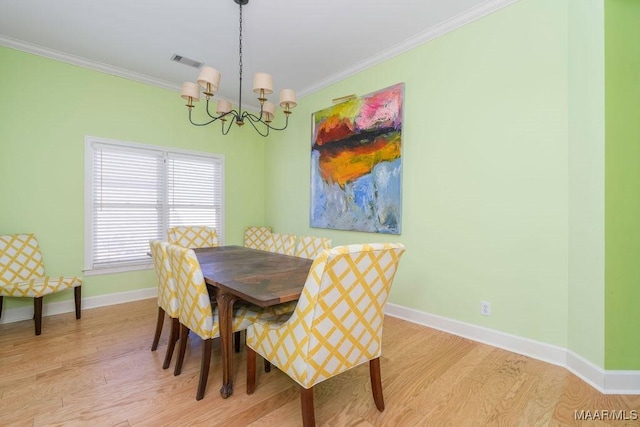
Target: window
[(135, 192)]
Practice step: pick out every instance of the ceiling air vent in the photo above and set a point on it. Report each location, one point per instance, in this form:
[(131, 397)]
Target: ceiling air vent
[(186, 61)]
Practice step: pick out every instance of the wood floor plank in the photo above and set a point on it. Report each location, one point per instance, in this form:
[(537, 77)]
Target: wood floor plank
[(99, 371)]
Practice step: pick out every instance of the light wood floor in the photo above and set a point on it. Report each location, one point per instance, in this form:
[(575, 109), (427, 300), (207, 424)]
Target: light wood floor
[(99, 371)]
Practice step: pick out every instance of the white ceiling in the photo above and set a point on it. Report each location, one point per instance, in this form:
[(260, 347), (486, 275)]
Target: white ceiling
[(304, 44)]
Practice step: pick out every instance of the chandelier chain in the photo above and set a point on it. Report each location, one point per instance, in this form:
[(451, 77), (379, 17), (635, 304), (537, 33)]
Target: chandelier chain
[(239, 117), (240, 42)]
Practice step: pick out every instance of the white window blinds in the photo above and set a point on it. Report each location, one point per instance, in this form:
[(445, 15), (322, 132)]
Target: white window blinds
[(194, 191), (136, 192), (127, 204)]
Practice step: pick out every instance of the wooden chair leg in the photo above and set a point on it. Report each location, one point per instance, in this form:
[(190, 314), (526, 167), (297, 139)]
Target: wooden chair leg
[(376, 383), (251, 370), (174, 335), (37, 313), (204, 369), (308, 415), (159, 323), (267, 366), (184, 333), (77, 294), (237, 337)]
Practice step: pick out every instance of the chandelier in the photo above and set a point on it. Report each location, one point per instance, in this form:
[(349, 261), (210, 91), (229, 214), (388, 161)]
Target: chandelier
[(209, 80)]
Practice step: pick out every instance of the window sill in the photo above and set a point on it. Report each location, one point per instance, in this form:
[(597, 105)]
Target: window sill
[(119, 269)]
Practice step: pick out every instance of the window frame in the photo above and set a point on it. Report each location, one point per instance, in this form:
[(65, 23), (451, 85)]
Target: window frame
[(91, 143)]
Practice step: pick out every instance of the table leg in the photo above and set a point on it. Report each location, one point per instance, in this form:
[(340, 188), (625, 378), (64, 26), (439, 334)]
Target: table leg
[(225, 317)]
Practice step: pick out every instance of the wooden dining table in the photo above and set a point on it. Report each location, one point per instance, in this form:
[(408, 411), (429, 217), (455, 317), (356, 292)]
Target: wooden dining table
[(259, 277)]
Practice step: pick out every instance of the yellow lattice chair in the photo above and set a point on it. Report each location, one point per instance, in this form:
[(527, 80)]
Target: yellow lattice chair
[(194, 236), (256, 237), (22, 275), (197, 236), (336, 325), (167, 298), (282, 243), (310, 247), (196, 312)]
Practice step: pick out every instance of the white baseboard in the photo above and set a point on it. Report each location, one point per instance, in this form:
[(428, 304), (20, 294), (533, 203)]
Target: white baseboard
[(608, 382), (68, 306)]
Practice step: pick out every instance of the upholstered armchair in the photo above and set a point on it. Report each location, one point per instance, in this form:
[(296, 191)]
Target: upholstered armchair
[(310, 246), (167, 298), (257, 237), (282, 243), (194, 236), (197, 314), (337, 324), (22, 275)]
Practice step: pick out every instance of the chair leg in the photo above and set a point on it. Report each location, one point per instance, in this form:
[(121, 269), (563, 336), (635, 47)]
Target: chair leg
[(308, 415), (376, 383), (204, 369), (267, 366), (237, 337), (173, 338), (251, 370), (184, 332), (37, 313), (159, 323), (77, 294), (1, 300)]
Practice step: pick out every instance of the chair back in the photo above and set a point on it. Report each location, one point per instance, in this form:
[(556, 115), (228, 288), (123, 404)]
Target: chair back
[(193, 236), (337, 323), (257, 237), (282, 243), (195, 310), (310, 247), (167, 289), (20, 258)]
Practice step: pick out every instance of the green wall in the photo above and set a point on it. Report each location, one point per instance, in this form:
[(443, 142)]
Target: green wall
[(622, 271), (586, 179), (48, 107), (486, 190)]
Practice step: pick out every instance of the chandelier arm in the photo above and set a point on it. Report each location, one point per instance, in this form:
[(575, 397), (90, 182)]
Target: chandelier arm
[(286, 123), (213, 118), (256, 128), (224, 132), (232, 113), (252, 117), (200, 124), (255, 119), (261, 112)]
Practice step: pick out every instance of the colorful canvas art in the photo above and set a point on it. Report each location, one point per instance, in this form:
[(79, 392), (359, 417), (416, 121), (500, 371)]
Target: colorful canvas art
[(356, 164)]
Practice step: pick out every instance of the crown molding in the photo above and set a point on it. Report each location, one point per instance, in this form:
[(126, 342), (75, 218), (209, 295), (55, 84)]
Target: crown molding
[(99, 66), (444, 27), (85, 63), (440, 29)]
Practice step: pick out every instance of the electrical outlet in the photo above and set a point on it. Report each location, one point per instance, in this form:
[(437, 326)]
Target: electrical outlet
[(485, 308)]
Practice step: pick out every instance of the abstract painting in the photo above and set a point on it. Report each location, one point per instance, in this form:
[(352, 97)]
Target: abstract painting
[(356, 164)]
